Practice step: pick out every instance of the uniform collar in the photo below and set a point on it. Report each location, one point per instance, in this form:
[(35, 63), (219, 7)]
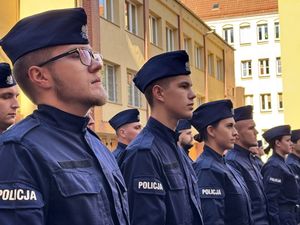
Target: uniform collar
[(162, 130), (277, 156), (295, 157), (121, 145), (242, 149), (60, 119), (208, 151)]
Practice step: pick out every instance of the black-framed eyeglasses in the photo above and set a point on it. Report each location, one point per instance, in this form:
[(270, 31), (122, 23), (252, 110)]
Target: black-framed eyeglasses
[(86, 56)]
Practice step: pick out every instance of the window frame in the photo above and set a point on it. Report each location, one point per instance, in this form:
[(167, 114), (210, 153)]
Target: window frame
[(266, 67), (114, 98), (228, 34), (170, 44), (248, 69), (133, 91), (263, 100), (264, 30), (278, 65), (129, 17), (151, 18)]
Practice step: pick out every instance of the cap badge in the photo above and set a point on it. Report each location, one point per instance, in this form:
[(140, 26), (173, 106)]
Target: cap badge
[(9, 80), (84, 32)]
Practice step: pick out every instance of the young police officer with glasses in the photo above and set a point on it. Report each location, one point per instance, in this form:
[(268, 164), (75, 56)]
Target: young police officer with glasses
[(53, 169)]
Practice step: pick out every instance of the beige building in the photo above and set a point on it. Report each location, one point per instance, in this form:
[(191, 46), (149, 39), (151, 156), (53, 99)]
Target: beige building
[(127, 33)]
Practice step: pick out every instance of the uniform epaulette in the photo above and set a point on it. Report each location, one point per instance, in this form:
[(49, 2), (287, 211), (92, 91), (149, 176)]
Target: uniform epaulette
[(143, 141), (20, 129)]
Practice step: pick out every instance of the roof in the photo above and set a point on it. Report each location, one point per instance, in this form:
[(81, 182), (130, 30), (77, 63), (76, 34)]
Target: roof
[(221, 9)]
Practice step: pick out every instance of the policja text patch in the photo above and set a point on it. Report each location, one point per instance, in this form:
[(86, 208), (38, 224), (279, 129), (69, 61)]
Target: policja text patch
[(211, 192), (148, 185)]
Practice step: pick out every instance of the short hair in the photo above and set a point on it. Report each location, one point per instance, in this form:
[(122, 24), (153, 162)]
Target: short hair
[(148, 91), (21, 67)]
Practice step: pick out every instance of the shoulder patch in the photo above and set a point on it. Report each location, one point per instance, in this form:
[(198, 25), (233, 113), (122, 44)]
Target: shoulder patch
[(144, 141), (148, 185), (274, 180), (19, 195), (211, 192)]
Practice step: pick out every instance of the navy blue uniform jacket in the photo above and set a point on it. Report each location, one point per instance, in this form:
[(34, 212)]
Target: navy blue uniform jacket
[(54, 171), (119, 151), (243, 161), (162, 187), (281, 190), (293, 162), (224, 195)]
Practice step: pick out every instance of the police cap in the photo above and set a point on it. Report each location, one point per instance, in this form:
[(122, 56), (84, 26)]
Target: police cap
[(50, 28), (162, 66), (211, 112), (243, 113), (183, 124), (276, 132), (124, 117), (6, 78)]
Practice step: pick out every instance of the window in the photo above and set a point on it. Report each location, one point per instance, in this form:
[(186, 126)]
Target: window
[(277, 30), (169, 39), (110, 82), (245, 34), (278, 66), (249, 100), (265, 102), (106, 9), (131, 17), (210, 64), (280, 102), (246, 68), (220, 70), (262, 32), (186, 44), (264, 67), (134, 95), (228, 34), (198, 57), (153, 30)]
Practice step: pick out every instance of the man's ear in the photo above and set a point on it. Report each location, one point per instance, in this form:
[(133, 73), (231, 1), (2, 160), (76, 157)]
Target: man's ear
[(158, 93), (40, 76)]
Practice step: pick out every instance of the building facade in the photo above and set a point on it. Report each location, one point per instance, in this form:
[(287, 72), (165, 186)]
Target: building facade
[(253, 29), (128, 32), (290, 36)]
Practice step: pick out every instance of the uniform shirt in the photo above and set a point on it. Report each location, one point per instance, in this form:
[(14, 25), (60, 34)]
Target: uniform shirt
[(119, 151), (224, 195), (54, 170), (162, 187), (258, 161), (243, 161), (281, 190), (293, 162)]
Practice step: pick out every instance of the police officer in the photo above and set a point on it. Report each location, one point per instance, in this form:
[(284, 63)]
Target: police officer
[(293, 161), (8, 97), (279, 181), (258, 152), (53, 169), (185, 136), (160, 179), (127, 126), (244, 161), (223, 192)]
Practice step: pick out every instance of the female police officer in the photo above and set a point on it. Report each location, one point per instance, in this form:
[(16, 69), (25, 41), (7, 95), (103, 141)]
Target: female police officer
[(279, 181), (223, 192)]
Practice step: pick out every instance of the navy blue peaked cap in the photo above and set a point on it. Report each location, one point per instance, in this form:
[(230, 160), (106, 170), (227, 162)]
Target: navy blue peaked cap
[(183, 124), (295, 135), (6, 78), (124, 117), (50, 28), (211, 112), (276, 132), (243, 113), (161, 66)]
